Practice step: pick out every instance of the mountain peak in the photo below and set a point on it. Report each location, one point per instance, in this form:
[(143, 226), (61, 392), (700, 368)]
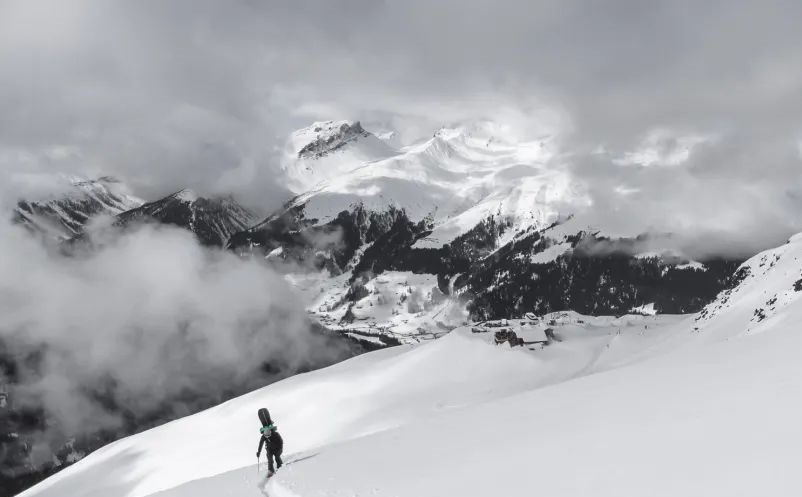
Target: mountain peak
[(324, 137), (479, 133), (212, 219), (328, 149), (185, 196)]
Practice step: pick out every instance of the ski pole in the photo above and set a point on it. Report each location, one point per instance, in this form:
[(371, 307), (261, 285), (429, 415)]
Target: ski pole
[(257, 464)]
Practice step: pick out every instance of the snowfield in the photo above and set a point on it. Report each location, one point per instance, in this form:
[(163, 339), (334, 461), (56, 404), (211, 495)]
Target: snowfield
[(705, 405)]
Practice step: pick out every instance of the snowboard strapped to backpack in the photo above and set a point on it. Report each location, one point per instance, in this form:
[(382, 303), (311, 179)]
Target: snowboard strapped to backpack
[(264, 417)]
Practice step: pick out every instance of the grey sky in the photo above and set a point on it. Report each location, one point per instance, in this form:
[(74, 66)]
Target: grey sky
[(199, 93), (678, 116)]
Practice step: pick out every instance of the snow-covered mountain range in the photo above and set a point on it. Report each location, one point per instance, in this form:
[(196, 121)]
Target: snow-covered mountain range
[(471, 222), (212, 220), (456, 179), (393, 244), (475, 217), (65, 215), (618, 406)]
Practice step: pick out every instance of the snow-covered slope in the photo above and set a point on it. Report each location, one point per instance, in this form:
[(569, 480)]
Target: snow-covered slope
[(66, 215), (767, 295), (212, 220), (630, 406)]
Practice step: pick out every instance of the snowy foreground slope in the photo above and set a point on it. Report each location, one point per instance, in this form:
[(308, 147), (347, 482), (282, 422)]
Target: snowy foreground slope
[(631, 406)]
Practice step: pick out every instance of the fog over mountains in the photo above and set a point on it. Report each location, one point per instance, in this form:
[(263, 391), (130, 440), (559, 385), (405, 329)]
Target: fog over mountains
[(504, 208)]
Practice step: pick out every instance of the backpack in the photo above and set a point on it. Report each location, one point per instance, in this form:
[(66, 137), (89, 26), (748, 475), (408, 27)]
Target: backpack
[(268, 430)]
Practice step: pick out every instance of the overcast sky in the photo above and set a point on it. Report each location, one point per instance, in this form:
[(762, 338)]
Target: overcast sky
[(693, 109)]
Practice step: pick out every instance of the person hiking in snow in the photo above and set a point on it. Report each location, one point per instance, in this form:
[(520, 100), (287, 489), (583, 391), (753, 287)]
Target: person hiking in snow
[(271, 439)]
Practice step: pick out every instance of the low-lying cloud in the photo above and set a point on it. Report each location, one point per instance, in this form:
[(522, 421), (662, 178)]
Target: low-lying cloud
[(148, 325)]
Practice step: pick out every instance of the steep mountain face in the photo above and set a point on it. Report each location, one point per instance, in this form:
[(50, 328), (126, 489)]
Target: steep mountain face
[(290, 236), (536, 273), (65, 216), (484, 218), (212, 220), (767, 293)]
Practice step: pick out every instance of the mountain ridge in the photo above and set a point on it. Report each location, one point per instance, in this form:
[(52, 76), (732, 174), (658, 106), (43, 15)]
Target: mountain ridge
[(487, 217), (62, 217), (212, 220)]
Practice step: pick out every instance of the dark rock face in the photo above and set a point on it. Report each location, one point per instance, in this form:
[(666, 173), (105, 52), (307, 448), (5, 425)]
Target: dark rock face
[(331, 245), (332, 140), (594, 276), (392, 250), (69, 214), (508, 284), (212, 221)]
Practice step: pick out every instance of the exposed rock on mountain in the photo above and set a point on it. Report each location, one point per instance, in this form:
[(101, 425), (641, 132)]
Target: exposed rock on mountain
[(66, 215), (212, 220), (484, 216)]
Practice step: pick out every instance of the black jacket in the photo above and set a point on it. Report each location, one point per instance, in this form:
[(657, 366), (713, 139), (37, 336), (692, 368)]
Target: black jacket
[(272, 441)]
